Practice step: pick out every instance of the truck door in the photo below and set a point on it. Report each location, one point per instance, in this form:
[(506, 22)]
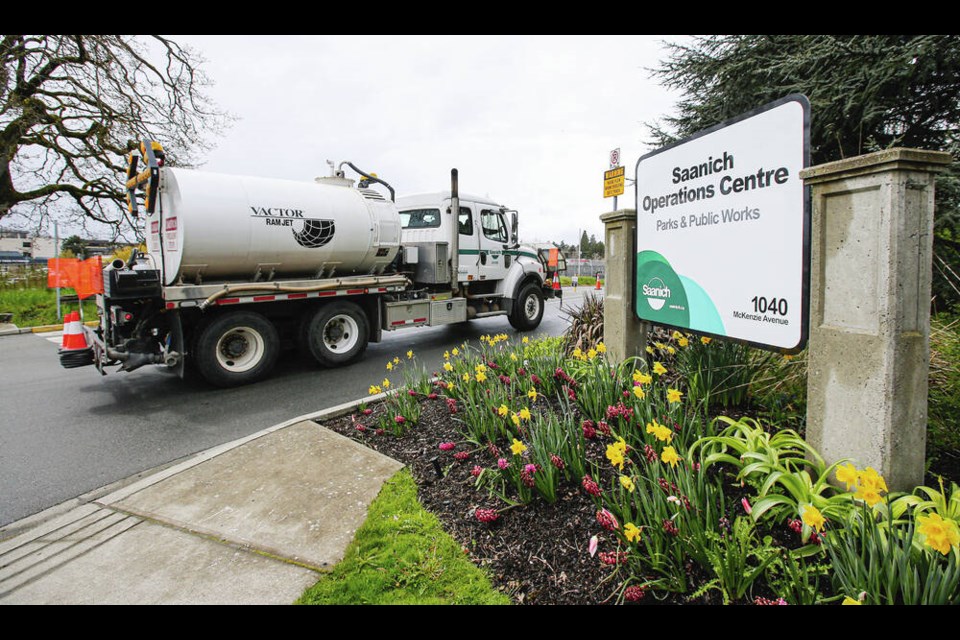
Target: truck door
[(469, 244), (494, 241)]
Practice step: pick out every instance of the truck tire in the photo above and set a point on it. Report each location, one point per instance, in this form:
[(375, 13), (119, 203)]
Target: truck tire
[(337, 333), (237, 348), (527, 308)]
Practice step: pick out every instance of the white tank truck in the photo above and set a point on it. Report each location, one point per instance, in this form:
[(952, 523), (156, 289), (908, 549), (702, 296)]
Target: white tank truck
[(235, 265)]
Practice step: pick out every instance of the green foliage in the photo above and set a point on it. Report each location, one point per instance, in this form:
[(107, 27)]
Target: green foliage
[(738, 558), (884, 563), (943, 414), (401, 555), (37, 307)]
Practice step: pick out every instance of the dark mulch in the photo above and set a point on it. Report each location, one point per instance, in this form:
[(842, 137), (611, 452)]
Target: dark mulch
[(537, 553)]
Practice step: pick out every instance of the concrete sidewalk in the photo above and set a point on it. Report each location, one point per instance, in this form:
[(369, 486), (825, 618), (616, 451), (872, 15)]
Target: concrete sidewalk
[(254, 521)]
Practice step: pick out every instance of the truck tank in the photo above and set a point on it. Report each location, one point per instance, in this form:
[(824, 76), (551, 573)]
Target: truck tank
[(212, 226)]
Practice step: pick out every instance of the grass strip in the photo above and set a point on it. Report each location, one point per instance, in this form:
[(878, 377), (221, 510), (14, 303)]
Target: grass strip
[(401, 555)]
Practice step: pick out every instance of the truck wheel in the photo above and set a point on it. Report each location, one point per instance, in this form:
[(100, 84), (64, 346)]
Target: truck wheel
[(237, 348), (527, 308), (337, 333)]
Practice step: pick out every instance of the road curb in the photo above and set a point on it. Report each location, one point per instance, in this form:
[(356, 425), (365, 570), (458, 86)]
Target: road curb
[(46, 328)]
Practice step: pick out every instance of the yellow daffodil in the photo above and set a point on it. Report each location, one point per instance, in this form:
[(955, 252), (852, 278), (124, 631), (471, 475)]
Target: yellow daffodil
[(396, 360), (812, 517), (447, 366), (627, 483), (616, 453), (455, 352), (385, 383), (847, 473), (631, 532), (659, 345), (592, 354), (683, 342), (532, 394), (705, 340), (868, 495), (577, 353), (466, 376), (673, 395), (502, 410), (638, 392), (517, 447), (660, 432), (449, 386), (650, 350), (601, 348), (410, 354), (659, 369), (374, 389), (480, 368), (446, 355), (525, 413), (481, 376), (939, 534), (525, 340), (642, 378), (669, 456), (671, 350), (389, 366), (515, 419), (849, 600), (513, 357), (676, 335), (870, 478)]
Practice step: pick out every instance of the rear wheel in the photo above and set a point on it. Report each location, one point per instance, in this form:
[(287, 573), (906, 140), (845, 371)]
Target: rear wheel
[(237, 348), (527, 308), (337, 333)]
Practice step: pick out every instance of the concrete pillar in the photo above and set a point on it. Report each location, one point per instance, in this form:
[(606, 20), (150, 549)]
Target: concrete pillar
[(623, 334), (869, 349)]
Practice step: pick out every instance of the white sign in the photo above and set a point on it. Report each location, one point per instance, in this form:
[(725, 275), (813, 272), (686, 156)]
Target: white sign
[(722, 229), (615, 158)]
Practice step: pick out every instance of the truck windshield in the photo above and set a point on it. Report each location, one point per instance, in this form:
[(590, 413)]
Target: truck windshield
[(420, 218)]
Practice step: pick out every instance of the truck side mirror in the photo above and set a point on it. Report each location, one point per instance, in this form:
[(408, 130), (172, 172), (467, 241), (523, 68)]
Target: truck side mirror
[(514, 227)]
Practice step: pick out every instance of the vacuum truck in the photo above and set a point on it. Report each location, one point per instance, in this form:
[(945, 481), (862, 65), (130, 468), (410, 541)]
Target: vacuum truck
[(235, 267)]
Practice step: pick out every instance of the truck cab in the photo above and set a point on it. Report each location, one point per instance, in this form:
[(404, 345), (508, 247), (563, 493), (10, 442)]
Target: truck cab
[(495, 274)]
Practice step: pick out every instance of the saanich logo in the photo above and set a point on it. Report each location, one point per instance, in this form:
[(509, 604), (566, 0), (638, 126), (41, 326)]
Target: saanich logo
[(657, 293)]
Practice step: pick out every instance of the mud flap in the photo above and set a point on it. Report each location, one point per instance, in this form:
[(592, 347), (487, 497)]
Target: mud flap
[(177, 344)]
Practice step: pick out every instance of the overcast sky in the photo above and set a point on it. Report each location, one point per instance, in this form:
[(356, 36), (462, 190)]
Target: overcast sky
[(528, 120)]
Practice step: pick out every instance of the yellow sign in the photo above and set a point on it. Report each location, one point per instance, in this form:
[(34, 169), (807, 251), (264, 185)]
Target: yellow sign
[(613, 182)]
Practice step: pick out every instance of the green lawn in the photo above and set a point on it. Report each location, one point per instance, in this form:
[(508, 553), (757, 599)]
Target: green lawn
[(401, 555)]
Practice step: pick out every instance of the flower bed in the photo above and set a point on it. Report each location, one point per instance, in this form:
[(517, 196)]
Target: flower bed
[(578, 480)]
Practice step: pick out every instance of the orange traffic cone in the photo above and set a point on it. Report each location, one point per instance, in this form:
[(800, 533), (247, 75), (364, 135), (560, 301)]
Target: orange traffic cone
[(74, 350), (73, 335), (556, 283), (598, 284)]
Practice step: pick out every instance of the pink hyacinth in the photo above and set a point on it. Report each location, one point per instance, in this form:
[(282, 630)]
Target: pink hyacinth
[(367, 412), (557, 461), (530, 468), (411, 392), (612, 557), (361, 428), (476, 471), (767, 601), (399, 419), (590, 486), (633, 593), (589, 432), (650, 453), (502, 464), (486, 515), (607, 520), (432, 395), (379, 432), (534, 378), (461, 456), (603, 427), (447, 446)]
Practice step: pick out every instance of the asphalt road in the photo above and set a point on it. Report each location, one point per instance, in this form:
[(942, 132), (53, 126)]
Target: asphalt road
[(66, 432)]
